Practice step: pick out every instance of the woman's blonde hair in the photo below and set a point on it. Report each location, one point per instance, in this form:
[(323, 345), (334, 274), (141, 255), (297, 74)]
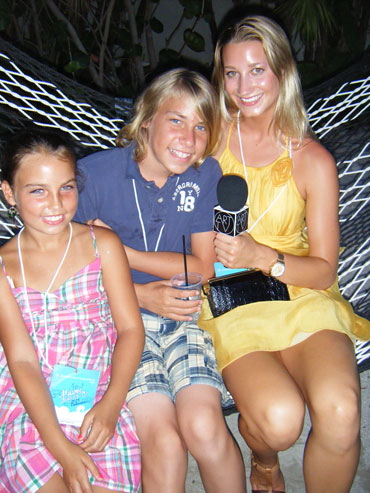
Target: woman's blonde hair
[(173, 84), (290, 117)]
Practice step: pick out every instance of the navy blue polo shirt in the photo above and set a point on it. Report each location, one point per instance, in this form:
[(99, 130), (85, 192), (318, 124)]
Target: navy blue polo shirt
[(183, 206)]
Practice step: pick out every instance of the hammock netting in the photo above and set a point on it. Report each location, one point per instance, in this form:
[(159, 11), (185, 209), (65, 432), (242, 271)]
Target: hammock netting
[(32, 93)]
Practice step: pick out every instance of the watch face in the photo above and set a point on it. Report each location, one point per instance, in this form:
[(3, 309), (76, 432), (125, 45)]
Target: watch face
[(278, 269)]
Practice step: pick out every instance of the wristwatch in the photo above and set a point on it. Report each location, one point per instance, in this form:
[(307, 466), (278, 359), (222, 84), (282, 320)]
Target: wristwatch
[(278, 268)]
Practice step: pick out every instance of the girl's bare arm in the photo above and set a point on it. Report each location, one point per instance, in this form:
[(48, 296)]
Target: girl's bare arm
[(129, 345), (31, 387)]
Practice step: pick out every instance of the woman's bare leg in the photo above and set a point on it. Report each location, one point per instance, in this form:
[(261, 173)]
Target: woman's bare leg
[(205, 433), (325, 369), (271, 408)]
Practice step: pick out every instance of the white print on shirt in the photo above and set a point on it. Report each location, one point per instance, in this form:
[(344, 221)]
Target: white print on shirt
[(186, 192)]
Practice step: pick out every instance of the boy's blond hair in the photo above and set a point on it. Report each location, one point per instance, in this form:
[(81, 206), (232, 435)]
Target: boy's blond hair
[(173, 84)]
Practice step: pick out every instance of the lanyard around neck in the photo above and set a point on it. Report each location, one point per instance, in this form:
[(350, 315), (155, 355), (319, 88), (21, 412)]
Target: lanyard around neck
[(45, 358), (142, 222), (246, 177)]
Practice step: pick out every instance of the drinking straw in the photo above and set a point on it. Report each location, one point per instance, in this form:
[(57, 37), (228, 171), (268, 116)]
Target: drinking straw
[(185, 266)]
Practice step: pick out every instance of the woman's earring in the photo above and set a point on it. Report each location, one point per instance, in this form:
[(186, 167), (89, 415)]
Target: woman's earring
[(12, 212)]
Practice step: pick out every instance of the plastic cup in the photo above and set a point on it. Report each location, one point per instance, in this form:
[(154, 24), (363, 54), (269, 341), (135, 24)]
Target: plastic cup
[(178, 281)]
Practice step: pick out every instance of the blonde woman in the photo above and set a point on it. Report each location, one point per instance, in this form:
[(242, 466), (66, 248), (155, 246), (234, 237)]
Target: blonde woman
[(278, 356)]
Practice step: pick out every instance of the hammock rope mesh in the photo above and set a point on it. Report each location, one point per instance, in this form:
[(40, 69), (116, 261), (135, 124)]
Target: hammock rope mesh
[(339, 111)]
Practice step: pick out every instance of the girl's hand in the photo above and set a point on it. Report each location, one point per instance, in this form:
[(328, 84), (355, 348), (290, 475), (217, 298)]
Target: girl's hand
[(236, 252), (101, 420), (74, 462), (161, 298)]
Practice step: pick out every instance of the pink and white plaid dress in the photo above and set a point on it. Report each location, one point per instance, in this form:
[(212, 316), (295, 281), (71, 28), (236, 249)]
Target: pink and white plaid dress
[(81, 334)]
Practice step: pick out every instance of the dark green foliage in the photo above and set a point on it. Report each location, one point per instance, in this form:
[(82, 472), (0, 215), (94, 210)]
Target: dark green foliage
[(79, 61), (194, 40), (5, 15), (192, 8), (117, 49), (156, 25)]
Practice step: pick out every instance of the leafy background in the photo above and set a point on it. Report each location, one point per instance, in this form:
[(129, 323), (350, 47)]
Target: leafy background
[(115, 45)]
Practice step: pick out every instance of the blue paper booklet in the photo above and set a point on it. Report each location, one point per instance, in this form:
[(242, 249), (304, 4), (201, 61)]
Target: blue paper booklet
[(220, 270), (73, 392)]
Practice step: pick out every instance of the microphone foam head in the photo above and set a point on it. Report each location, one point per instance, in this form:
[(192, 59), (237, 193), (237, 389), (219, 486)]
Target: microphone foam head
[(232, 192)]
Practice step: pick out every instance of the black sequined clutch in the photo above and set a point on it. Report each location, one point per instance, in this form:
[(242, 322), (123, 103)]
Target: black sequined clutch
[(227, 292)]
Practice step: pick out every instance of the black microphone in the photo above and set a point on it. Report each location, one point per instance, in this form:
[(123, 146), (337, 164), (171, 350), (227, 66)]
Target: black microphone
[(231, 215)]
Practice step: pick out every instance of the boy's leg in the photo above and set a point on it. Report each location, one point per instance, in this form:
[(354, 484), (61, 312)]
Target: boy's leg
[(163, 452), (203, 427), (197, 386)]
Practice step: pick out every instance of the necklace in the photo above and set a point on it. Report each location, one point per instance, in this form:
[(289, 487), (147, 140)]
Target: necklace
[(142, 222), (45, 294), (246, 178)]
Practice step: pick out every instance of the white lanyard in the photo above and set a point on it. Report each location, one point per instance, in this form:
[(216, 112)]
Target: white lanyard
[(246, 176), (45, 358), (142, 222)]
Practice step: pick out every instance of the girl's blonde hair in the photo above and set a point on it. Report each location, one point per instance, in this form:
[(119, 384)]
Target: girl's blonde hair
[(290, 117), (173, 84)]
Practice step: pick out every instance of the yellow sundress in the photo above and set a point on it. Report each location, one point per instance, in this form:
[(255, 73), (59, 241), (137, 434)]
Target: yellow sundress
[(276, 325)]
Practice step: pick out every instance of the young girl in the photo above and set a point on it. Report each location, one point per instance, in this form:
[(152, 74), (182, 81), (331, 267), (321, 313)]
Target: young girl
[(71, 335), (277, 356), (156, 187)]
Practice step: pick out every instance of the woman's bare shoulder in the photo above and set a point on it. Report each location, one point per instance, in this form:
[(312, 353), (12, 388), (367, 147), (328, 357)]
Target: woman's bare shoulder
[(313, 165), (311, 153)]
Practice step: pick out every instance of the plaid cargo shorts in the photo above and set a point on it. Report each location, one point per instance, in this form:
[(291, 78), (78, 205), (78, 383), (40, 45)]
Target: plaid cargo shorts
[(176, 354)]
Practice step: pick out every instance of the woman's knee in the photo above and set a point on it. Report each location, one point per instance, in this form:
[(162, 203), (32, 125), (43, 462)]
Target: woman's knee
[(279, 423), (336, 418)]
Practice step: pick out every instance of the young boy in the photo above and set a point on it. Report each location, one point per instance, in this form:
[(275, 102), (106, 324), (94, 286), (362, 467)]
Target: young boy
[(151, 193)]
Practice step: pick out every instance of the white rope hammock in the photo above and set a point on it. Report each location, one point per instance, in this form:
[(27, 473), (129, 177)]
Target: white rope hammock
[(32, 92)]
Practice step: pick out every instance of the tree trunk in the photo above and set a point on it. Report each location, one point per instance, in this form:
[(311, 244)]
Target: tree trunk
[(137, 78), (72, 32), (149, 35), (103, 46)]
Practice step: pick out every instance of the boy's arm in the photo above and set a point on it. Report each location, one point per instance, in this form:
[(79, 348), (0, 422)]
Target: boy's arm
[(159, 297), (167, 264)]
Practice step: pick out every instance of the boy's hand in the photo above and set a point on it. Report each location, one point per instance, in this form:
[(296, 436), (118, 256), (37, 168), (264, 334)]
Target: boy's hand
[(161, 298), (101, 420), (98, 222)]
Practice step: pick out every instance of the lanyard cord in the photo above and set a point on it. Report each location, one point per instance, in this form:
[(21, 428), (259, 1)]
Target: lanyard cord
[(241, 151), (246, 176), (45, 358), (142, 222)]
